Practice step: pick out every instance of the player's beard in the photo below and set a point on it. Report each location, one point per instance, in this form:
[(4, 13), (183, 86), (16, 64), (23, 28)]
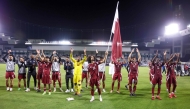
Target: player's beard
[(78, 60), (92, 60)]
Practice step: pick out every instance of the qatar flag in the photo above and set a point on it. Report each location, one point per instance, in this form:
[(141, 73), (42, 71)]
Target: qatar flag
[(116, 43)]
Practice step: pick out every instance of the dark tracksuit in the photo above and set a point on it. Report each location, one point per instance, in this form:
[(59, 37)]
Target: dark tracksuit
[(163, 69), (127, 68), (31, 64), (69, 73), (178, 68)]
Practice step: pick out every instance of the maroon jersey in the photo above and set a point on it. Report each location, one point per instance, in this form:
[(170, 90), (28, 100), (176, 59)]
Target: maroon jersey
[(118, 66), (40, 66), (93, 69), (47, 67), (171, 69), (158, 68), (151, 67), (133, 66)]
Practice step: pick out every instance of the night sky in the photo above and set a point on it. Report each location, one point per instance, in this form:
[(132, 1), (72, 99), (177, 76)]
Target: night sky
[(140, 20)]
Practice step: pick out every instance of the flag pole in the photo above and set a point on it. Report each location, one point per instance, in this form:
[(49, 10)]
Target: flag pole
[(110, 40)]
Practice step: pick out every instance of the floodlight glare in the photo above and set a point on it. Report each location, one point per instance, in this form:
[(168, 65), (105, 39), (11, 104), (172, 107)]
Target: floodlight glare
[(64, 42), (188, 26), (101, 43), (171, 29)]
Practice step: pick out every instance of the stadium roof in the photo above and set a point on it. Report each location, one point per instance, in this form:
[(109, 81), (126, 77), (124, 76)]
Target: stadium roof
[(4, 39)]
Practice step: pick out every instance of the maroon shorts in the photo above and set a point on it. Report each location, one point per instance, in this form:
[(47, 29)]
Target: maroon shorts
[(46, 78), (157, 79), (84, 75), (117, 76), (94, 82), (22, 76), (171, 80), (10, 75), (56, 76), (39, 75), (133, 77), (102, 76)]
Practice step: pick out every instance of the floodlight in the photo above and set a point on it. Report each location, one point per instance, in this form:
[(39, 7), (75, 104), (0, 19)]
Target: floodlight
[(188, 26), (101, 43), (134, 45), (65, 42), (171, 29)]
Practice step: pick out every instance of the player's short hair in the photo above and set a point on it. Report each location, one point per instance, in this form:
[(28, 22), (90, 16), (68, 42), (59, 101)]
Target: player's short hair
[(10, 55), (22, 57), (133, 57)]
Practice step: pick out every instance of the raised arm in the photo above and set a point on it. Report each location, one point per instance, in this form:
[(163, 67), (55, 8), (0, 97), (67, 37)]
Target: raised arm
[(19, 64), (59, 59), (171, 58), (38, 54), (14, 60), (65, 66), (124, 60), (5, 57), (178, 56), (129, 57), (43, 53), (71, 56), (84, 58), (52, 59), (25, 64), (96, 55), (52, 56), (105, 57), (139, 55), (155, 56)]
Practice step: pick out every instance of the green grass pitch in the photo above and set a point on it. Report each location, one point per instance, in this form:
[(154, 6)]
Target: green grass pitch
[(33, 100)]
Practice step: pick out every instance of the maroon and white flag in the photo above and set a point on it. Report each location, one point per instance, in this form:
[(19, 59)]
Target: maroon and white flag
[(116, 43)]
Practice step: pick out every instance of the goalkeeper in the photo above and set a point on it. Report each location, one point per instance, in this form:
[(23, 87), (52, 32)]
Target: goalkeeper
[(77, 71)]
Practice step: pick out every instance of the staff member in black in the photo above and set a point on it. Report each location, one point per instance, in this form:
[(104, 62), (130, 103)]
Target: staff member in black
[(68, 67), (31, 64)]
